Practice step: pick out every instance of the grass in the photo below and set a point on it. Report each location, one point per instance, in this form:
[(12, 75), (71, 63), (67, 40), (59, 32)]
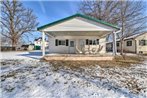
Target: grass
[(118, 61), (9, 62), (87, 68)]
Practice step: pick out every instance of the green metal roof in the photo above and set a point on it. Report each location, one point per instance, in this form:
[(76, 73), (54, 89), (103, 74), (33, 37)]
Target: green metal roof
[(78, 15)]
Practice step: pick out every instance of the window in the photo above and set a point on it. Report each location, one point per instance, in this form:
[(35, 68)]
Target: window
[(92, 42), (129, 43), (143, 42), (71, 43), (59, 42), (97, 41), (117, 44), (87, 42)]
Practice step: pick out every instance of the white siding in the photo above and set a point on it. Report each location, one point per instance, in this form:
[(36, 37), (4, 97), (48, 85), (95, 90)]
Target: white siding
[(135, 48), (139, 47), (78, 24), (65, 49), (130, 48), (127, 48)]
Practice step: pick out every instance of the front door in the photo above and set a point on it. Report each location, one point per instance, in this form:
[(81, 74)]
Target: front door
[(71, 46)]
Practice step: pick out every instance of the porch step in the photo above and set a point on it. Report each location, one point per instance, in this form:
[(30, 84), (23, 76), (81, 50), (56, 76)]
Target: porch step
[(79, 58)]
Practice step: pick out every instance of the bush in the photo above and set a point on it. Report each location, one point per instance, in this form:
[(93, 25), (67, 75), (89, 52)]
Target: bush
[(7, 48)]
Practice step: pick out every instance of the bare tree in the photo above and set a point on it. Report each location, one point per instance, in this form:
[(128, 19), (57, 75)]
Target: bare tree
[(4, 41), (102, 10), (128, 15), (16, 21), (131, 19)]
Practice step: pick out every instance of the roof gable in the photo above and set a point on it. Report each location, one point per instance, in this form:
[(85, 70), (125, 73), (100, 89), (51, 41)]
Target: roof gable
[(135, 35), (78, 24), (74, 16)]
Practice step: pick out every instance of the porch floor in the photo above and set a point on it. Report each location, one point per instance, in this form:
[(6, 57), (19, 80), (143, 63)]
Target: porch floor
[(78, 57)]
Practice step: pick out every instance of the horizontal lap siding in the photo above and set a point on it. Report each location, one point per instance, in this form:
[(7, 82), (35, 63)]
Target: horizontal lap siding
[(141, 48), (65, 49), (129, 48)]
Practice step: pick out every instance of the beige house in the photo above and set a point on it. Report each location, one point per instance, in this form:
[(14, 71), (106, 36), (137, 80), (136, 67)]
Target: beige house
[(133, 44), (78, 34)]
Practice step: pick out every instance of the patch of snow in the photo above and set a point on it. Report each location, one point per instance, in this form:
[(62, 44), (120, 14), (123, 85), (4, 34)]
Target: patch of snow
[(34, 79), (32, 55), (25, 77)]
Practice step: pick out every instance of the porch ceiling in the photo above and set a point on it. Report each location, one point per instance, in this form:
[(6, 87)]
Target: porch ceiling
[(79, 33)]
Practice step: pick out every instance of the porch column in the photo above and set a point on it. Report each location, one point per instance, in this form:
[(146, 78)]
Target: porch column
[(114, 44), (43, 44)]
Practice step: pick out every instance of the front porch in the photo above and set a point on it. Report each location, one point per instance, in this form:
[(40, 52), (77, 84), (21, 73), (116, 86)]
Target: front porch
[(79, 57), (78, 37)]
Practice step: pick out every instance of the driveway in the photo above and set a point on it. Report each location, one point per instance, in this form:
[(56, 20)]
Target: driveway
[(21, 55)]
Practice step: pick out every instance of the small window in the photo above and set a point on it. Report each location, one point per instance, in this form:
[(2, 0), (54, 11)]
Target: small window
[(97, 41), (143, 42), (117, 44), (92, 42), (87, 42), (129, 43), (61, 42), (71, 43)]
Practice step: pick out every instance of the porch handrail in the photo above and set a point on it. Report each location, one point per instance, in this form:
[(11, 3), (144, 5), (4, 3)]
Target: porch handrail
[(79, 51)]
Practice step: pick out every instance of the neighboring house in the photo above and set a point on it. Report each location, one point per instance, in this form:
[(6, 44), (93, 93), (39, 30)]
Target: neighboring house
[(38, 43), (27, 47), (136, 43), (31, 47), (77, 32)]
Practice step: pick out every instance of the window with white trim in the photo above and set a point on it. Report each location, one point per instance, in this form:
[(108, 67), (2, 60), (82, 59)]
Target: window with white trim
[(92, 42), (129, 43), (61, 42), (142, 42), (117, 44)]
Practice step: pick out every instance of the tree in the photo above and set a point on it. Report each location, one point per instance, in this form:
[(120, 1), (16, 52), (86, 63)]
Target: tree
[(128, 15), (131, 19), (16, 21), (102, 10)]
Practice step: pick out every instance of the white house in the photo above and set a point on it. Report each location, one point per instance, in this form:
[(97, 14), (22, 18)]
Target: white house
[(38, 43), (78, 33), (136, 43)]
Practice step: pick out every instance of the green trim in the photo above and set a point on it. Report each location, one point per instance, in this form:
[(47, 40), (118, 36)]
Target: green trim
[(78, 15)]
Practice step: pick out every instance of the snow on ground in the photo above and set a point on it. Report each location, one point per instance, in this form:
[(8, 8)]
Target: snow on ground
[(23, 77), (21, 55)]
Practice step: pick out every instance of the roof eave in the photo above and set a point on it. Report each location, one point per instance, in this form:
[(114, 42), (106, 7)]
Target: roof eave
[(78, 15)]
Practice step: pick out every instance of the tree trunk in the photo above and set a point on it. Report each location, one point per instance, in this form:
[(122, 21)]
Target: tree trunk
[(14, 44), (121, 47)]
